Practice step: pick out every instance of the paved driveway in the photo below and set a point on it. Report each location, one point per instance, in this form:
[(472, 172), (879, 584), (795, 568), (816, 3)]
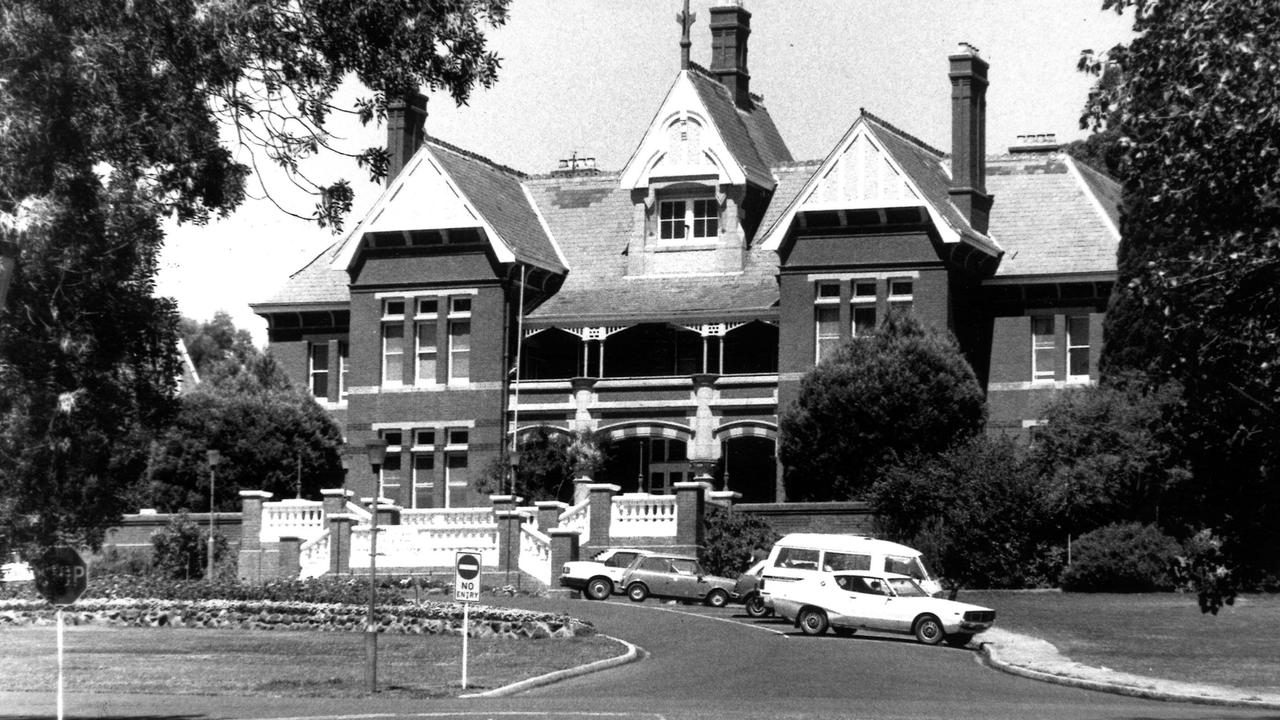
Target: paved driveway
[(701, 663)]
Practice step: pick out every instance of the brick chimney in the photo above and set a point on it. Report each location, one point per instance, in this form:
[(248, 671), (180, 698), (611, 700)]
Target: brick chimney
[(730, 27), (406, 129), (969, 136)]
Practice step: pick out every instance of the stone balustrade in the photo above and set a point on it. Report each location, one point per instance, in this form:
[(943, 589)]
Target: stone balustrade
[(577, 518), (292, 518), (313, 556), (643, 515), (535, 554)]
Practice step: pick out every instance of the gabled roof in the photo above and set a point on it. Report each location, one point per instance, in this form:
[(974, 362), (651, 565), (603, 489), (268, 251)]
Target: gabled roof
[(737, 145), (444, 187), (912, 174), (1053, 216), (593, 220), (318, 283)]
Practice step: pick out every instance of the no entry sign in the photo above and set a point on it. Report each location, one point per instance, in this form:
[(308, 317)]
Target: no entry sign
[(466, 583)]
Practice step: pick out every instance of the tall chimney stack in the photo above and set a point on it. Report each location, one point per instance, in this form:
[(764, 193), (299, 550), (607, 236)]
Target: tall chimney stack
[(969, 136), (406, 129), (730, 27)]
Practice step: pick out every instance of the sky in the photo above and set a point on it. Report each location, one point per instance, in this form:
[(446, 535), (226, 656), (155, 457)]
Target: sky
[(587, 76)]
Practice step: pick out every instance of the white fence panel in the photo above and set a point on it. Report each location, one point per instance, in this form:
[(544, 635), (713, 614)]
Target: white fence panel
[(292, 518), (578, 518), (313, 556), (643, 515), (535, 554), (410, 546)]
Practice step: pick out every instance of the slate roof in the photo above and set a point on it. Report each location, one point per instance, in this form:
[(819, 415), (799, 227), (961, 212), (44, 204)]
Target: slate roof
[(1045, 219), (498, 194), (749, 133), (316, 283), (593, 220)]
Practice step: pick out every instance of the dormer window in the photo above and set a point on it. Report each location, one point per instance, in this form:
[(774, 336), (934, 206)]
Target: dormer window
[(688, 219)]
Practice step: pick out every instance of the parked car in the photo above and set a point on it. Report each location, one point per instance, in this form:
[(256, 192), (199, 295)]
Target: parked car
[(675, 576), (747, 591), (885, 602), (804, 556), (600, 576)]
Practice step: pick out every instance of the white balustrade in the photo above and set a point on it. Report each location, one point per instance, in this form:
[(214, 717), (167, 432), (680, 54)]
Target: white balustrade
[(535, 554), (448, 517), (292, 518), (360, 512), (643, 515), (411, 546), (578, 518), (313, 556)]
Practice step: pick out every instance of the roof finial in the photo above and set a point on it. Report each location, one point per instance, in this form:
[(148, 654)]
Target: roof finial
[(685, 19)]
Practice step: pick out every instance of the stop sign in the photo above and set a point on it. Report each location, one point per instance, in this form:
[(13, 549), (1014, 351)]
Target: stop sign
[(61, 575)]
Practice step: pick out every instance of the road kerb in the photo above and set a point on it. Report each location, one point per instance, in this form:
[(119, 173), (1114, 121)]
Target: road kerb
[(990, 654), (632, 654)]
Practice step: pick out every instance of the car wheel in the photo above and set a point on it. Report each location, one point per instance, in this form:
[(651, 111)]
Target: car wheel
[(637, 592), (756, 607), (844, 631), (928, 630), (959, 639), (812, 621), (599, 588), (717, 598)]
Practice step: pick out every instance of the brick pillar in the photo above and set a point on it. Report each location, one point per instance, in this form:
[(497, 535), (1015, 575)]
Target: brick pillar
[(503, 503), (549, 512), (249, 560), (690, 509), (564, 548), (290, 558), (388, 514), (340, 543), (601, 509), (335, 500), (509, 539)]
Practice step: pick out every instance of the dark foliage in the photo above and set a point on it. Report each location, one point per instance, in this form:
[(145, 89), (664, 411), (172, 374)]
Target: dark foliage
[(732, 537), (180, 549), (1129, 557), (900, 391)]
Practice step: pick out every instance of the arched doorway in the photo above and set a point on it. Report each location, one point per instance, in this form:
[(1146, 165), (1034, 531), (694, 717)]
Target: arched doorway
[(645, 458), (748, 462)]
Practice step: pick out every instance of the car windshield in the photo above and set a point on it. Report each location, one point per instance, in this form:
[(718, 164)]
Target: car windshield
[(906, 587)]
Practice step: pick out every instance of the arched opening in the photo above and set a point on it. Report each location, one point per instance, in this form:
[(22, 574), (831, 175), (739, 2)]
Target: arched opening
[(748, 466), (752, 348), (645, 464), (653, 350), (552, 354)]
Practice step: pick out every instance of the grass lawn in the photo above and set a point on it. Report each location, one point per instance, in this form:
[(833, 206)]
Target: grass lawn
[(271, 662), (1160, 635)]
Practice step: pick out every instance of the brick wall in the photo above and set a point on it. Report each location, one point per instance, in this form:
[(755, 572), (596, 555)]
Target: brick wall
[(849, 518)]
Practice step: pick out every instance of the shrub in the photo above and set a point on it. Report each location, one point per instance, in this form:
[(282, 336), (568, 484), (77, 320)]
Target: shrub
[(1126, 557), (181, 548), (731, 539)]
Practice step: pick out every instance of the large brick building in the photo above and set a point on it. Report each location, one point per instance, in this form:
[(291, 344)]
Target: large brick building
[(674, 305)]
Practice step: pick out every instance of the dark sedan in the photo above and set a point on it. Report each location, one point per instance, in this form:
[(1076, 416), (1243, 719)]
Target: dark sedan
[(677, 577)]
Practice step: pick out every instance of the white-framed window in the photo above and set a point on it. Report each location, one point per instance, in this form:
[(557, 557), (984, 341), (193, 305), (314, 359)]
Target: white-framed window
[(459, 340), (318, 369), (425, 351), (344, 365), (1042, 347), (1077, 347), (390, 477), (457, 475), (901, 294), (393, 341), (826, 313), (424, 479), (863, 303), (688, 219)]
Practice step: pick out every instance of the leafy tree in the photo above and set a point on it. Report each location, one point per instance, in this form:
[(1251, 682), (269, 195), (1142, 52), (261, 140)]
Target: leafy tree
[(549, 461), (899, 391), (1197, 299), (1110, 453), (215, 341), (271, 437), (979, 512), (732, 538), (180, 549), (1124, 557), (114, 116)]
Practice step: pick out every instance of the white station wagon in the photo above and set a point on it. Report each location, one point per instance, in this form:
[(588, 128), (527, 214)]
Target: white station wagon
[(885, 602)]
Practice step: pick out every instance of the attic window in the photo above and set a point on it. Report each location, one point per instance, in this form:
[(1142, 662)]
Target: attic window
[(688, 219)]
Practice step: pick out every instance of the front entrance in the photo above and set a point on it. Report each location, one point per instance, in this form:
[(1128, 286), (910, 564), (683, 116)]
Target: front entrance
[(650, 465)]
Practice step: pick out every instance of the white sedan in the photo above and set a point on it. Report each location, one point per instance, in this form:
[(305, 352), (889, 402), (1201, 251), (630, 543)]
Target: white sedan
[(849, 601)]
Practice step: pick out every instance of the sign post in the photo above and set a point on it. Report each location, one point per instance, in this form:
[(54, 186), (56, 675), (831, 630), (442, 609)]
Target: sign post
[(466, 590), (61, 576)]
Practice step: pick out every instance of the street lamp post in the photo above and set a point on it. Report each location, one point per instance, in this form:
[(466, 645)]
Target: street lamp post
[(377, 451), (213, 457)]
